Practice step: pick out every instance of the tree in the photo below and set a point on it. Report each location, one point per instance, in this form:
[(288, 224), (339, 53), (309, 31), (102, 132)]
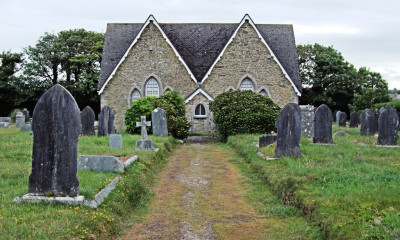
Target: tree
[(9, 63)]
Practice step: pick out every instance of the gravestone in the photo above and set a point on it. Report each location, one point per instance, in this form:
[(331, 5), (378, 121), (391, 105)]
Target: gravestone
[(381, 110), (323, 125), (342, 119), (116, 141), (19, 120), (5, 119), (387, 127), (266, 140), (111, 117), (103, 121), (27, 127), (289, 133), (56, 126), (338, 117), (87, 119), (376, 119), (368, 123), (144, 143), (4, 124), (26, 114), (354, 119), (159, 122), (307, 120), (334, 115)]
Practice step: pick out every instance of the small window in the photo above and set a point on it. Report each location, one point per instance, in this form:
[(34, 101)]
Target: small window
[(167, 90), (152, 88), (263, 92), (247, 84), (200, 111), (135, 95)]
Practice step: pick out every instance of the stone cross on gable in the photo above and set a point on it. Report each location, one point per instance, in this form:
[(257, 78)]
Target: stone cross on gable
[(143, 124)]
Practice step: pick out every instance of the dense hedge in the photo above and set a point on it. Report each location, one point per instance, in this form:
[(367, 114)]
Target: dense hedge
[(238, 112), (395, 104), (173, 104)]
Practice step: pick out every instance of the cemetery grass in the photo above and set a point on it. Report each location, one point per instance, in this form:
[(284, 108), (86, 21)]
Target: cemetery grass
[(57, 221), (350, 190)]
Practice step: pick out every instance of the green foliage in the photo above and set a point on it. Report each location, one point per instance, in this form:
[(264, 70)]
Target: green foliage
[(395, 104), (140, 107), (328, 78), (173, 104), (8, 81), (237, 112), (13, 114)]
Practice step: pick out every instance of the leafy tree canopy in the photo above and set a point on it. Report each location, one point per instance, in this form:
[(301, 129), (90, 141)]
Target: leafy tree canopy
[(9, 66)]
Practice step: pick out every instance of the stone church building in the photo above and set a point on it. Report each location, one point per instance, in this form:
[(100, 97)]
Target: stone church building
[(200, 61)]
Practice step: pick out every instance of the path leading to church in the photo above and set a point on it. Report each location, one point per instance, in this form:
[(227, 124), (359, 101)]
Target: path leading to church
[(200, 195)]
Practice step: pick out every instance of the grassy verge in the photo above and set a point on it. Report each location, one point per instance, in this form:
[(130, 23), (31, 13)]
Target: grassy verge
[(56, 221), (351, 190)]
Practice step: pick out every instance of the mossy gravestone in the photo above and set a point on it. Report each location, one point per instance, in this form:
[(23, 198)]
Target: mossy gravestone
[(323, 125), (289, 133), (56, 126), (87, 119), (159, 122), (388, 124)]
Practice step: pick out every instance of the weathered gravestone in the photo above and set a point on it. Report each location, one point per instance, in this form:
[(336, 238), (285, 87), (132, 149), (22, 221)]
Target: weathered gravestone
[(307, 120), (338, 117), (334, 115), (387, 127), (144, 143), (27, 127), (159, 122), (266, 140), (289, 133), (5, 122), (87, 119), (342, 119), (19, 120), (323, 125), (56, 126), (368, 123), (26, 114), (381, 110), (376, 112), (354, 120), (106, 121), (116, 141)]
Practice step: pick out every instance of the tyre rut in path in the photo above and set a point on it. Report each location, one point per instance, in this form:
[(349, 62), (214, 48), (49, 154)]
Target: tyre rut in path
[(200, 196)]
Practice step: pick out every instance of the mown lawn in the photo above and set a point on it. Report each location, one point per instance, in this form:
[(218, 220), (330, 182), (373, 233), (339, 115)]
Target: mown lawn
[(350, 190), (56, 221)]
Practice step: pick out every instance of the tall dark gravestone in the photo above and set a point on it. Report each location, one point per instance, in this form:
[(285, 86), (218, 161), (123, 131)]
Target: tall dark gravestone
[(87, 119), (338, 117), (103, 121), (334, 115), (387, 127), (323, 125), (289, 133), (342, 119), (111, 118), (368, 123), (354, 120), (56, 126), (26, 114)]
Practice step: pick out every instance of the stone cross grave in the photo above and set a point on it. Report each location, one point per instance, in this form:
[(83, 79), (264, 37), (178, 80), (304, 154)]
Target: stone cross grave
[(19, 120), (87, 119), (354, 119), (387, 127), (159, 122), (56, 126), (323, 125), (342, 119), (144, 143), (368, 123), (289, 133)]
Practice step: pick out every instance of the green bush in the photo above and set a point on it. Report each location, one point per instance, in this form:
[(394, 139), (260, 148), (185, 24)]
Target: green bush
[(171, 102), (239, 112), (140, 107), (13, 114), (395, 104)]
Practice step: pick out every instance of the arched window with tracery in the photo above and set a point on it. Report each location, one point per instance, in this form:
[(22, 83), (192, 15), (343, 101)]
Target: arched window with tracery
[(152, 88), (263, 92), (247, 84)]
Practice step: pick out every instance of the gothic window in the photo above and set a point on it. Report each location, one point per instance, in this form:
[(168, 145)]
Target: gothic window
[(200, 111), (247, 84), (167, 90), (152, 88), (263, 92), (135, 95)]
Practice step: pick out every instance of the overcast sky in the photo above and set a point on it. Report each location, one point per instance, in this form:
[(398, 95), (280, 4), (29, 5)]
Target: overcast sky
[(366, 32)]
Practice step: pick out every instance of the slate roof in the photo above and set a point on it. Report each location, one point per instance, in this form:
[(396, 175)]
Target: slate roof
[(199, 45)]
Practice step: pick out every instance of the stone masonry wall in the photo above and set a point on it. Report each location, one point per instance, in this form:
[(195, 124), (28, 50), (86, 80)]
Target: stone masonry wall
[(200, 125), (247, 56), (140, 64)]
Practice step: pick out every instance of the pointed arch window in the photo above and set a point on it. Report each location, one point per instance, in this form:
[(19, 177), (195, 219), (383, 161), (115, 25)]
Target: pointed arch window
[(152, 88), (263, 92), (135, 95), (200, 111), (167, 90), (247, 84)]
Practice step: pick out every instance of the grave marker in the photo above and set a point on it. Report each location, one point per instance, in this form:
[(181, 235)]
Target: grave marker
[(19, 120), (26, 114), (159, 122), (387, 127), (289, 133), (116, 141), (368, 123), (354, 119), (144, 143), (342, 119), (323, 125), (87, 119), (307, 120)]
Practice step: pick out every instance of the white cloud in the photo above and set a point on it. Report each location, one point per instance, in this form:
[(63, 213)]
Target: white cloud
[(325, 29)]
